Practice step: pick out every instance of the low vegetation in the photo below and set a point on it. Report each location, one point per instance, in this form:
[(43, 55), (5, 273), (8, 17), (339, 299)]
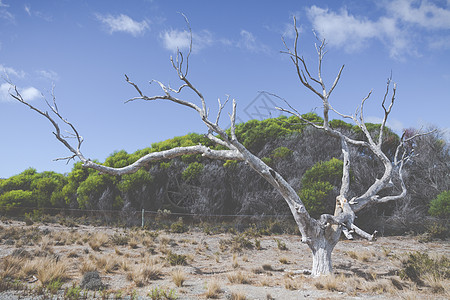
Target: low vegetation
[(46, 260)]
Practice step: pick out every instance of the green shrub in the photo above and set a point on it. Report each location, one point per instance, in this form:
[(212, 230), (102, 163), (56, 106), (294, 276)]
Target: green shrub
[(192, 171), (419, 264), (437, 230), (176, 259), (179, 226), (54, 286), (239, 242), (73, 292), (440, 206), (318, 184), (230, 164), (281, 152), (281, 245), (157, 293)]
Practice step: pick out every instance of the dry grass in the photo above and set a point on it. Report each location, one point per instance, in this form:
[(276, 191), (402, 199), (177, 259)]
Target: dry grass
[(107, 263), (98, 240), (213, 289), (239, 277), (284, 260), (49, 270), (266, 281), (363, 256), (238, 295), (235, 263), (330, 283), (437, 285), (142, 274), (379, 287), (178, 277), (150, 265), (10, 267), (86, 266)]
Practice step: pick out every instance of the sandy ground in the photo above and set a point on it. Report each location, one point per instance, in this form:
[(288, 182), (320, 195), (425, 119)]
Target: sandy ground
[(363, 269)]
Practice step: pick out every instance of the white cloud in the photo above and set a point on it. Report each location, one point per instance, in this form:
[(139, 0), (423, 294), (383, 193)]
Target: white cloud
[(396, 29), (5, 14), (48, 74), (425, 14), (354, 33), (248, 41), (4, 91), (28, 9), (29, 93), (123, 23), (34, 13), (8, 71), (174, 40)]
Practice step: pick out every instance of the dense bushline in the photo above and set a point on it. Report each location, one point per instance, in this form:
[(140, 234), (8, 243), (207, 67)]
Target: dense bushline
[(309, 159)]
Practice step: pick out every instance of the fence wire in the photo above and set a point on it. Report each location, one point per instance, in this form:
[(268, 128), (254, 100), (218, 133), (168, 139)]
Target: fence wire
[(162, 219)]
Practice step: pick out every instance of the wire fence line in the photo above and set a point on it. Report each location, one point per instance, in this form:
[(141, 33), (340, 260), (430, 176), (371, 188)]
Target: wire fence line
[(159, 212), (161, 219)]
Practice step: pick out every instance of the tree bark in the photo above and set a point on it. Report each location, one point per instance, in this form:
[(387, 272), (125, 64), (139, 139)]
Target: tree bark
[(322, 246)]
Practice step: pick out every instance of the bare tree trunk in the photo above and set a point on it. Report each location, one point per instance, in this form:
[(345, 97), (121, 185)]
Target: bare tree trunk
[(322, 246)]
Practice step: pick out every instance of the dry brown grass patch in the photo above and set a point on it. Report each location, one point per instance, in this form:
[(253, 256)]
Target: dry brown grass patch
[(11, 266), (238, 277), (238, 295), (213, 289), (98, 240), (49, 270), (291, 284), (178, 277), (86, 266), (142, 274), (330, 283)]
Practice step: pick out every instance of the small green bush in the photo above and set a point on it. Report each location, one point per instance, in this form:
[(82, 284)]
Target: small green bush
[(73, 292), (281, 245), (318, 184), (230, 164), (176, 259), (440, 206), (192, 171), (419, 264), (179, 226), (157, 293), (281, 152)]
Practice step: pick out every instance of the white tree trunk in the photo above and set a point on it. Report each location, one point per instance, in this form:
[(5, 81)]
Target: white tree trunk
[(322, 260), (322, 246)]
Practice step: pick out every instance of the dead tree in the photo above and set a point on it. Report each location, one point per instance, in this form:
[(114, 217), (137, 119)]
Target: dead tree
[(322, 234)]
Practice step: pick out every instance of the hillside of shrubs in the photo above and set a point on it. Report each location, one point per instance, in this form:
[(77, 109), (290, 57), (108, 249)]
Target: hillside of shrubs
[(309, 159)]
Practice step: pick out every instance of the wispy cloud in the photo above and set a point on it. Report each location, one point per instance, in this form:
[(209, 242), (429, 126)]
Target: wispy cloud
[(28, 9), (8, 71), (123, 23), (5, 14), (174, 40), (48, 74), (43, 15), (29, 93), (249, 42)]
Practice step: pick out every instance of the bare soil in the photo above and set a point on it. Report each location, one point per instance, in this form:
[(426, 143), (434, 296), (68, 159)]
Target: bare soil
[(261, 270)]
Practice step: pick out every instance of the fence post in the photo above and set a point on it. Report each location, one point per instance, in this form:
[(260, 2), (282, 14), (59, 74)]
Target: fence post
[(142, 218)]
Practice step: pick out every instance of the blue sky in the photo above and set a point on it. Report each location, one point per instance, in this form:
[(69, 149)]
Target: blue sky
[(85, 47)]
